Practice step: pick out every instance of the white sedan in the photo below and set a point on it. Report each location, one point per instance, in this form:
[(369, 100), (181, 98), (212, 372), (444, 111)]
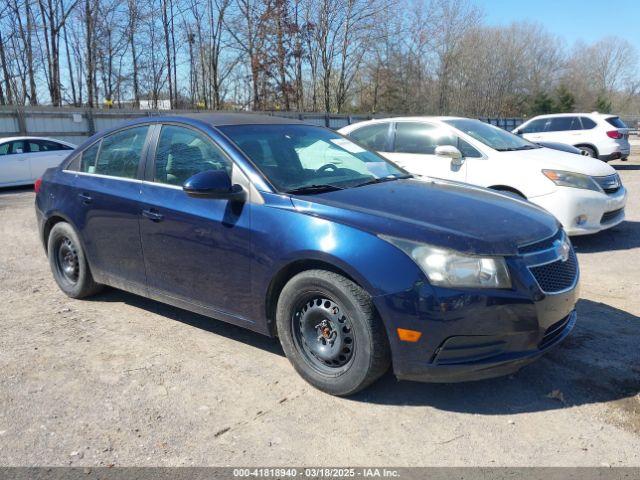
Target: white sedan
[(24, 159), (585, 195)]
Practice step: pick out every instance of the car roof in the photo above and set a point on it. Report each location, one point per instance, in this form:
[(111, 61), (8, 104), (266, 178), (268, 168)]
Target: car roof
[(422, 118), (575, 114), (224, 119), (12, 139)]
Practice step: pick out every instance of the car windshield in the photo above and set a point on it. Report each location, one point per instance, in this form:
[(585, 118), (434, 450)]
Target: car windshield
[(493, 137), (307, 159)]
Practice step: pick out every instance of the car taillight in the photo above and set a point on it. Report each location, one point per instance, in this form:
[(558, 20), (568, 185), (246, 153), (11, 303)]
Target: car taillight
[(614, 134), (37, 185)]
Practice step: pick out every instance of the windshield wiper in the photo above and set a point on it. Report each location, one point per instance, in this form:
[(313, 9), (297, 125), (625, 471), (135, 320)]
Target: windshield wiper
[(384, 179), (315, 188)]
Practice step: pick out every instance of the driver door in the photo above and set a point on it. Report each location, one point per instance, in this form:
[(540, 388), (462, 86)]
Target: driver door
[(414, 146)]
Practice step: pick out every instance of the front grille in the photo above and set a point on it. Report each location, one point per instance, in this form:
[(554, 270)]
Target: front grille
[(553, 332), (540, 245), (557, 276), (610, 183), (610, 216)]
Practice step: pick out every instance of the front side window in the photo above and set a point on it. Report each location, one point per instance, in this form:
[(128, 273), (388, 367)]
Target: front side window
[(534, 126), (562, 124), (374, 137), (299, 156), (493, 137), (119, 154), (11, 148), (421, 138), (183, 152)]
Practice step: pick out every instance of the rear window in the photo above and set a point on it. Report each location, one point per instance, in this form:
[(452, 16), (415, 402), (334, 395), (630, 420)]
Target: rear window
[(616, 122)]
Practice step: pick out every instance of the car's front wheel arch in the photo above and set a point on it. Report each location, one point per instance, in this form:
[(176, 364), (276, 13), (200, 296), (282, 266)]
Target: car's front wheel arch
[(508, 190), (290, 270)]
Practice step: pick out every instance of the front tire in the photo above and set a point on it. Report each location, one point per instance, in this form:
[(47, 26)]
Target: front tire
[(331, 333), (68, 262)]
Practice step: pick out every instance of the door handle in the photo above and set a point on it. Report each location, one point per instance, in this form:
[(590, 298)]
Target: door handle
[(86, 199), (152, 215)]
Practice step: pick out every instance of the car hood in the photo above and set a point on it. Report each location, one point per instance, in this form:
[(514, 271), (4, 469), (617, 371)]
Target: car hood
[(555, 159), (447, 214)]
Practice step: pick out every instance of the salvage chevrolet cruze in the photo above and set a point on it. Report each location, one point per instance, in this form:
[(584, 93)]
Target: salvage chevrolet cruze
[(354, 268)]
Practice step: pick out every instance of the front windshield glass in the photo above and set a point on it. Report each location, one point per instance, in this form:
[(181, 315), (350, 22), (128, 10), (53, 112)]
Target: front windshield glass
[(493, 137), (295, 157)]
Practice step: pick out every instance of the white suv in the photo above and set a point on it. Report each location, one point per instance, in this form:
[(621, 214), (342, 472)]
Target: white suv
[(583, 193), (601, 136)]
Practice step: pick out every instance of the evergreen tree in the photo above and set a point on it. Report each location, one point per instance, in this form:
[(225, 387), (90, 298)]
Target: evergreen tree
[(542, 104), (603, 104), (565, 100)]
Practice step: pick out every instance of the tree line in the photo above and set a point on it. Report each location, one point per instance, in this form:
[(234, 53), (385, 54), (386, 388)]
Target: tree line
[(414, 57)]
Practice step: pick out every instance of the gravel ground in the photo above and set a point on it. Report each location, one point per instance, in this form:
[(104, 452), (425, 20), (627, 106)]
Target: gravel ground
[(121, 380)]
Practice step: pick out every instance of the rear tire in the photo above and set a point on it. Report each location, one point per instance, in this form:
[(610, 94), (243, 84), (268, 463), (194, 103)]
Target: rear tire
[(68, 262), (331, 333), (589, 151)]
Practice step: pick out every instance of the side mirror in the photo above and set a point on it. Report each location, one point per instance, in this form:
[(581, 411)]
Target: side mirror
[(213, 184), (451, 152), (517, 131)]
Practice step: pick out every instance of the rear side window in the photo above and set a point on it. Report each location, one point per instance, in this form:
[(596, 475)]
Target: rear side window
[(183, 152), (616, 122), (88, 158), (46, 146), (587, 123), (374, 137), (561, 124), (118, 155)]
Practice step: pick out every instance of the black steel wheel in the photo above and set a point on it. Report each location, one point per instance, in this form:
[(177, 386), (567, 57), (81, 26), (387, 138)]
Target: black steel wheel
[(331, 333), (323, 333), (68, 262)]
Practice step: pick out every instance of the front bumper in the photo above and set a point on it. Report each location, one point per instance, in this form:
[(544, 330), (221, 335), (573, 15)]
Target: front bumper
[(475, 335), (601, 211), (470, 358)]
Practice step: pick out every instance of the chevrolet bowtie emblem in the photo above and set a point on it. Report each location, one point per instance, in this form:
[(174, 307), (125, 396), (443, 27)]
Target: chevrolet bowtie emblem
[(563, 250)]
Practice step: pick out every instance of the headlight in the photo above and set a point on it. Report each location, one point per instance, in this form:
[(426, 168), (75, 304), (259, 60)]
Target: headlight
[(570, 179), (448, 268)]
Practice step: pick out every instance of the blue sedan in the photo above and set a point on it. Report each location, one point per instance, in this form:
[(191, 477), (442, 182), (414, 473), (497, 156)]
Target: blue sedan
[(296, 232)]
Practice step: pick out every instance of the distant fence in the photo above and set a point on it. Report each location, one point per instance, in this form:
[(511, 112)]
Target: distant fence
[(77, 124)]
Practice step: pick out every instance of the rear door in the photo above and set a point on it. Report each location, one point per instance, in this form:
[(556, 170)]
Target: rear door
[(565, 129), (44, 154), (14, 163), (197, 250), (107, 208)]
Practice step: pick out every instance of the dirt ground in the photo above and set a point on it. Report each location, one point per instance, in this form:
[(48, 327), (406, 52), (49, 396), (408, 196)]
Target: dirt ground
[(121, 380)]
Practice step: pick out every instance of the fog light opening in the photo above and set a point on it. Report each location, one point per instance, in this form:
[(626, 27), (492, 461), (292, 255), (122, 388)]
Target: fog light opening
[(581, 219)]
